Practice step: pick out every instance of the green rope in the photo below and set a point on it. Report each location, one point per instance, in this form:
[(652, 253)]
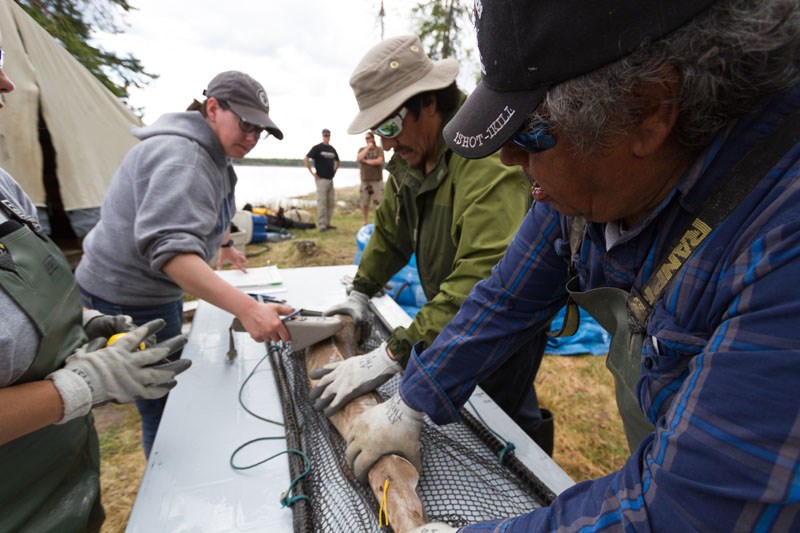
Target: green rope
[(508, 447), (286, 500), (505, 452), (264, 248)]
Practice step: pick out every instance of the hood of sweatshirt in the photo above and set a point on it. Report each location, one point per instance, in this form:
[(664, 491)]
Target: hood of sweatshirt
[(189, 124)]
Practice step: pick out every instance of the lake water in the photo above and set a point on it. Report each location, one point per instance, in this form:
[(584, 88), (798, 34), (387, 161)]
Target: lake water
[(280, 186)]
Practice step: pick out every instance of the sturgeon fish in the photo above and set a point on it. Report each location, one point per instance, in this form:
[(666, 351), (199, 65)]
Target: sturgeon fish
[(403, 506)]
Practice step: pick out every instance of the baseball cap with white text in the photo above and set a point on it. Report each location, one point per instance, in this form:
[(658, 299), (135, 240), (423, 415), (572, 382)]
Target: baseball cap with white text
[(527, 47)]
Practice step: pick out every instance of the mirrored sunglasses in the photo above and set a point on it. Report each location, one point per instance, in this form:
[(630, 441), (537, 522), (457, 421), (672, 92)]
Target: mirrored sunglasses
[(534, 136), (392, 127)]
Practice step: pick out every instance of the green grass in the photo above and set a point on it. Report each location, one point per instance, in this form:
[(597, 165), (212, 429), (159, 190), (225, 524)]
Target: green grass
[(334, 247)]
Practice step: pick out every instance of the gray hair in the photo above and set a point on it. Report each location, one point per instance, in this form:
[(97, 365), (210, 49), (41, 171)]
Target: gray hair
[(728, 58)]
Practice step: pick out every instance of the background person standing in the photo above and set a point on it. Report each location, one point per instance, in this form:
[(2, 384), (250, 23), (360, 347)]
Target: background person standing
[(370, 163), (326, 163)]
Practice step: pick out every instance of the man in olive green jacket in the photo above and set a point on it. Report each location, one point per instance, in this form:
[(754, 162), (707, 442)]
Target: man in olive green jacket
[(457, 214)]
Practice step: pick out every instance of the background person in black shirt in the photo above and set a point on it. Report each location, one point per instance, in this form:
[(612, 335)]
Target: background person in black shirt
[(326, 163)]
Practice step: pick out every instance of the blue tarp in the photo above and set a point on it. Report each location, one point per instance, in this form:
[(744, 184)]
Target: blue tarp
[(404, 287), (590, 337), (406, 290)]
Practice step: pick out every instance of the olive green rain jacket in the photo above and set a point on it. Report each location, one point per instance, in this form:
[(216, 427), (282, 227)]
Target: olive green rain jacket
[(458, 219)]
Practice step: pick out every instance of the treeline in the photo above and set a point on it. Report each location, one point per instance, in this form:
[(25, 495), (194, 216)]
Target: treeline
[(278, 162)]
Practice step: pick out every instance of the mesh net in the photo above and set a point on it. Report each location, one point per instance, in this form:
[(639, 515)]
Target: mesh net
[(462, 480)]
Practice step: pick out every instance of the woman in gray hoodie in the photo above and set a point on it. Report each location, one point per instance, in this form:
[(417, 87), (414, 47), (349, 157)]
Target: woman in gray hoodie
[(166, 214)]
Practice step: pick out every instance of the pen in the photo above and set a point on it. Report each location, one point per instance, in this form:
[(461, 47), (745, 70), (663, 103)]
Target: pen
[(291, 315), (266, 298)]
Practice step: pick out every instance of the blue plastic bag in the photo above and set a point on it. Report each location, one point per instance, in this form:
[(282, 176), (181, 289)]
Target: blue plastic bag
[(404, 287)]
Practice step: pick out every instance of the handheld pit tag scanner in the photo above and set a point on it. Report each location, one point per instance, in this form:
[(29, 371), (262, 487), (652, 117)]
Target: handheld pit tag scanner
[(305, 328), (310, 327)]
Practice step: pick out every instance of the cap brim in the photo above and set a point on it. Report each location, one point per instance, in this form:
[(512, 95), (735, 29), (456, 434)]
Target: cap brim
[(488, 119), (257, 117), (442, 74)]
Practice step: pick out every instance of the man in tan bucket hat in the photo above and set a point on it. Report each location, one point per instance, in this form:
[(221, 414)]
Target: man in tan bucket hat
[(456, 214)]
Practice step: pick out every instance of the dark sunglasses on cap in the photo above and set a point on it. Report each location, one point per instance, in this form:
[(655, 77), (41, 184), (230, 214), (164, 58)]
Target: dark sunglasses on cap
[(534, 136), (392, 127), (246, 127)]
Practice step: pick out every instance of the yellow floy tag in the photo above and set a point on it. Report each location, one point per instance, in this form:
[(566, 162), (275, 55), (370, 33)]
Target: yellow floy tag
[(117, 336), (382, 511)]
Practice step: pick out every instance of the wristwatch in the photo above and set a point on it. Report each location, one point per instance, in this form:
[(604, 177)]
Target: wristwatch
[(227, 244)]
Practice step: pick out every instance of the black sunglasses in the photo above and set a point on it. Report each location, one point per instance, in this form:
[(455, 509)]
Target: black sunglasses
[(247, 127)]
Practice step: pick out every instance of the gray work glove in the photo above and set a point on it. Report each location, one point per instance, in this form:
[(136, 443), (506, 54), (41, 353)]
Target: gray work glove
[(342, 381), (355, 306), (389, 427), (97, 374), (97, 324)]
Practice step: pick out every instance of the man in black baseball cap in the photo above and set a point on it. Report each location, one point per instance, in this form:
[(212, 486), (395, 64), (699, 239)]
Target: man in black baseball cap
[(662, 142), (520, 61)]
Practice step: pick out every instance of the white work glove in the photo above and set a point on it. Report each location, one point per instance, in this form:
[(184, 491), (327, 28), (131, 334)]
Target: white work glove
[(389, 427), (97, 324), (342, 381), (97, 374), (355, 306), (434, 527)]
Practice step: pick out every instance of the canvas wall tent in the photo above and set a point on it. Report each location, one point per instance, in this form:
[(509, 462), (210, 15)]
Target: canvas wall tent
[(62, 133)]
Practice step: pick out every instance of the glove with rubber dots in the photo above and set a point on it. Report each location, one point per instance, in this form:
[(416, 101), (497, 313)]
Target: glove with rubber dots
[(342, 381), (355, 306), (97, 324), (97, 374), (389, 427)]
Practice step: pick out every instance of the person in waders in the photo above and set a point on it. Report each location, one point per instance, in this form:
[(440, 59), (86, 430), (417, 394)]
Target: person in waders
[(55, 366), (662, 142)]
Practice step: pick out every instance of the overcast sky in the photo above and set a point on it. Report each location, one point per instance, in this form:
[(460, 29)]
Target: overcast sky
[(302, 51)]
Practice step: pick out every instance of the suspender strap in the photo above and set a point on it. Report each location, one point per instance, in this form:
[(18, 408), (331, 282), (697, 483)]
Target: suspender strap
[(572, 317), (15, 213), (727, 195)]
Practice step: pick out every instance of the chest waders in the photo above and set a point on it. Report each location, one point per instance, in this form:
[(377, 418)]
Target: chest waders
[(609, 307), (625, 315), (51, 477)]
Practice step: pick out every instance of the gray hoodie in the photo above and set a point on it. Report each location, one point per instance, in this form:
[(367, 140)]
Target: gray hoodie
[(172, 194)]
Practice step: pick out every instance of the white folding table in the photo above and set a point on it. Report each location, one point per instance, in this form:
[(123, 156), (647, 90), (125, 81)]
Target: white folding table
[(189, 484)]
